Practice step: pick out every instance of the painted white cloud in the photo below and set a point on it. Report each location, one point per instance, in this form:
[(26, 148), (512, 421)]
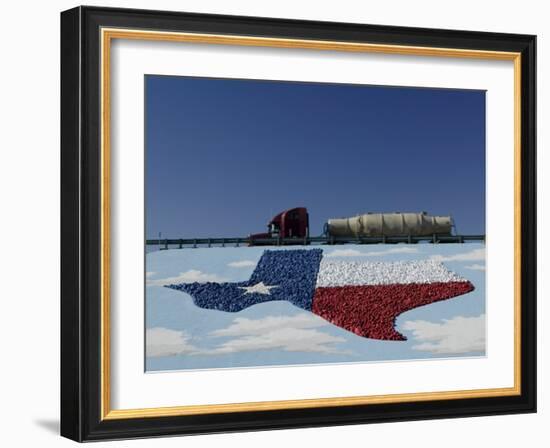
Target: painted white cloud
[(473, 255), (358, 253), (476, 267), (451, 336), (190, 276), (161, 341), (296, 333), (286, 339), (243, 326), (242, 264)]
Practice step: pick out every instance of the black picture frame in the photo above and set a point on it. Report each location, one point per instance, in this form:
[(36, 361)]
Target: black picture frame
[(81, 381)]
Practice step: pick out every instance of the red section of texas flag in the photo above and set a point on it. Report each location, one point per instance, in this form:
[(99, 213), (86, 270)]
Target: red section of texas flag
[(370, 310)]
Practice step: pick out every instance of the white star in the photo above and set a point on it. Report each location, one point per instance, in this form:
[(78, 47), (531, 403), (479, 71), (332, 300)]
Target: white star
[(258, 288)]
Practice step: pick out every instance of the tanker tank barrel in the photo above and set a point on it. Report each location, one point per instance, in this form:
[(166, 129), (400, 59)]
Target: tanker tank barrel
[(390, 224)]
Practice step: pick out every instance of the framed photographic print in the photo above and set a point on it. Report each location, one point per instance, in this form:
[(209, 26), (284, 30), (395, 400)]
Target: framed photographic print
[(274, 224)]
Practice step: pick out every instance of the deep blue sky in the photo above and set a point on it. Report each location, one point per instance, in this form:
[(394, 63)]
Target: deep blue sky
[(223, 156)]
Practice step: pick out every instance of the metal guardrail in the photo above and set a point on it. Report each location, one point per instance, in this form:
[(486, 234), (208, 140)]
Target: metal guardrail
[(247, 241)]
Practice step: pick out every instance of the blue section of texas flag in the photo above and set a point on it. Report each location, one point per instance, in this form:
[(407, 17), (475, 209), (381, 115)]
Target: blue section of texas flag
[(279, 275)]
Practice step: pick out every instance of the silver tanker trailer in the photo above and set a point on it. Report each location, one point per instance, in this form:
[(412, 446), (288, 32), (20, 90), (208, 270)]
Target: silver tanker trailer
[(389, 224)]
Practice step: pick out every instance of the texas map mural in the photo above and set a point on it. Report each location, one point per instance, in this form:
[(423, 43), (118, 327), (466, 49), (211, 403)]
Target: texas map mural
[(253, 306)]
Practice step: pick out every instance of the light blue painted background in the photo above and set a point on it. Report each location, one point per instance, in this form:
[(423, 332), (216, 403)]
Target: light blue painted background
[(175, 310)]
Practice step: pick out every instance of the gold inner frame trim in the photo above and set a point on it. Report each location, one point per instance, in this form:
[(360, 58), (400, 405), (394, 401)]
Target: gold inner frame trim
[(107, 35)]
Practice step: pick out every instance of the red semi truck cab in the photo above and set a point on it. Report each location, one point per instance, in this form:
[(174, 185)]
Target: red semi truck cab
[(292, 223)]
